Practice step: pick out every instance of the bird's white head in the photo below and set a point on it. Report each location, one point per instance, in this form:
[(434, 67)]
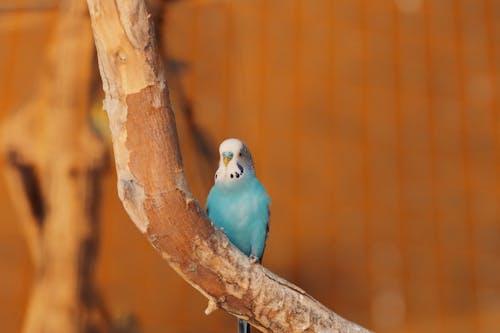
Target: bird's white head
[(235, 162)]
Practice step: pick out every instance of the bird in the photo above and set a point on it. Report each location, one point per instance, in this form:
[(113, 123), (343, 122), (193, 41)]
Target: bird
[(238, 204)]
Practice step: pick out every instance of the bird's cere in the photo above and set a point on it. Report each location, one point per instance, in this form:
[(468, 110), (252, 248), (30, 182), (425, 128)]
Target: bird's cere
[(227, 156)]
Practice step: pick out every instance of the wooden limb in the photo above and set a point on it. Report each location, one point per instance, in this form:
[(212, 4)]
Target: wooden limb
[(53, 166), (153, 189)]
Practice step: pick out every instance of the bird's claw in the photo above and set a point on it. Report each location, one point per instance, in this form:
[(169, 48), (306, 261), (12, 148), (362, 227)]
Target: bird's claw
[(253, 259)]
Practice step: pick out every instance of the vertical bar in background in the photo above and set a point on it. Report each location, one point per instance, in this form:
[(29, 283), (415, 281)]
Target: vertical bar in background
[(451, 206), (316, 164), (296, 138), (382, 198), (367, 190), (351, 284), (493, 40), (482, 152), (381, 167), (437, 238), (463, 104), (401, 215), (278, 162), (243, 120), (211, 66), (490, 298), (262, 99), (331, 193), (225, 126), (422, 270)]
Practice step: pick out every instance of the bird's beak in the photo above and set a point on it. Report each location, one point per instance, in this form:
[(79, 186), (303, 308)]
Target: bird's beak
[(226, 157)]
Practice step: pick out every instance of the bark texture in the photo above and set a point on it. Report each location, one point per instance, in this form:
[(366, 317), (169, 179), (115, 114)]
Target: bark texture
[(153, 189), (53, 166)]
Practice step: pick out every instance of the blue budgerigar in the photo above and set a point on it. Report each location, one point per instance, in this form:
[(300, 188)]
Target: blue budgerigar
[(238, 204)]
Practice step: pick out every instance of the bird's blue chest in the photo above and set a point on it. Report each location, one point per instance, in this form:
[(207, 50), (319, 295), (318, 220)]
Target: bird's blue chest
[(242, 213)]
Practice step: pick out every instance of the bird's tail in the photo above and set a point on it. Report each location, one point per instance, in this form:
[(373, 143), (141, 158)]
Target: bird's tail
[(243, 326)]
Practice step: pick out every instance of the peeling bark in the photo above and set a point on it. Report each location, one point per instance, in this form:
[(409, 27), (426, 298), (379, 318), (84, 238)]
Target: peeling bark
[(154, 191), (52, 169)]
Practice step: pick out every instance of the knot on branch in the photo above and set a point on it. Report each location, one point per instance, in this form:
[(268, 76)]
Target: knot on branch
[(133, 197), (214, 304), (31, 185)]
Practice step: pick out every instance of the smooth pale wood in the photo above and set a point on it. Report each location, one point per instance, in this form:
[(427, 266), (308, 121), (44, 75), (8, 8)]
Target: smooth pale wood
[(153, 189), (52, 169)]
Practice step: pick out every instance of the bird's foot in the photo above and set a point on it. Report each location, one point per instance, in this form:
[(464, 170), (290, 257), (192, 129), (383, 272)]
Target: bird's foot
[(253, 259)]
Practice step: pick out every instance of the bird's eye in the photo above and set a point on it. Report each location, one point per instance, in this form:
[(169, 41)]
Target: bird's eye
[(241, 154)]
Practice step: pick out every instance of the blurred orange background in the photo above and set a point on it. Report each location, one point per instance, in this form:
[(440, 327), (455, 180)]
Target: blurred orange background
[(375, 129)]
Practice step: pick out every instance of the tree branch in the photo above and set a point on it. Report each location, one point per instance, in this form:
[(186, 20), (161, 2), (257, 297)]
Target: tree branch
[(154, 191)]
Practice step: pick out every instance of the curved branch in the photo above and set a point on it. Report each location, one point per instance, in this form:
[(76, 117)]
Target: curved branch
[(153, 189)]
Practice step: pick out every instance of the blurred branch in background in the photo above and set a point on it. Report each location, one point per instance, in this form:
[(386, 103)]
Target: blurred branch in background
[(53, 167)]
